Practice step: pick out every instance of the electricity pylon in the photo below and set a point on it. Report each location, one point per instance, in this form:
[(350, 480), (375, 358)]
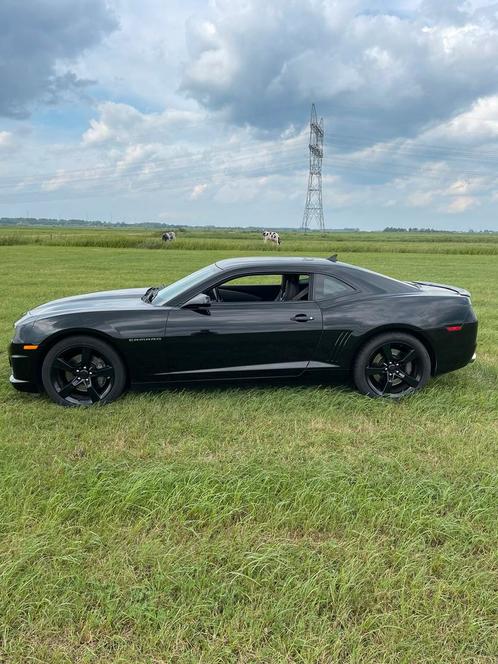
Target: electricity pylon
[(313, 210)]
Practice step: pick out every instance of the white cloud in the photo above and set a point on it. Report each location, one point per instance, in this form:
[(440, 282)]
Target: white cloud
[(7, 142), (475, 126), (461, 204), (263, 63), (198, 190), (421, 198), (124, 124)]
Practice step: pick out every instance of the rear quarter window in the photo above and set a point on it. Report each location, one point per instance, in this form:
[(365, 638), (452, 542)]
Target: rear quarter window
[(327, 287)]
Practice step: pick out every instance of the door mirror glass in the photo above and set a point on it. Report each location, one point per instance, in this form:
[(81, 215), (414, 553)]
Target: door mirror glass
[(201, 301)]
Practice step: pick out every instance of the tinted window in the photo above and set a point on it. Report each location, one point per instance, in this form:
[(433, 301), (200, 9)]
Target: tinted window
[(329, 287), (262, 288)]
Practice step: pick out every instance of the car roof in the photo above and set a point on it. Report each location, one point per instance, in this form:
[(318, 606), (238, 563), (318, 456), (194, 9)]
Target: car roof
[(277, 262)]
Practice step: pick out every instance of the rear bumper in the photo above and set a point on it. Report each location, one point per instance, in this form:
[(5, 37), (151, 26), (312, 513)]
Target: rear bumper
[(455, 350)]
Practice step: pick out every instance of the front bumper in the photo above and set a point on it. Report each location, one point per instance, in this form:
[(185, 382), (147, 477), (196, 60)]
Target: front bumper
[(23, 385), (24, 367)]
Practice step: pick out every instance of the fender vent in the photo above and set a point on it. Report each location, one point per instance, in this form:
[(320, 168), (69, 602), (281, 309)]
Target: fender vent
[(340, 343)]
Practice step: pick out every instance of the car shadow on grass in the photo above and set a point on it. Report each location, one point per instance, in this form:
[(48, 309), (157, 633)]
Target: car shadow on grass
[(223, 385), (212, 387)]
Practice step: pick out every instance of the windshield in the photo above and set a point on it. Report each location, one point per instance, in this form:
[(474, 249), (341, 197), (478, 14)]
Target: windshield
[(172, 291)]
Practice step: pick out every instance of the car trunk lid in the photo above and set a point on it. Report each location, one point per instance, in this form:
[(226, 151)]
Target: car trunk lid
[(431, 286)]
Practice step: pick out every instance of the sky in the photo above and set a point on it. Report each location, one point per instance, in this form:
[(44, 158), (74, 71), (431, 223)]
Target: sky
[(194, 112)]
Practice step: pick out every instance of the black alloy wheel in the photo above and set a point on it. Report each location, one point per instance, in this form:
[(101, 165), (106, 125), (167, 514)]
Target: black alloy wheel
[(83, 371), (392, 365)]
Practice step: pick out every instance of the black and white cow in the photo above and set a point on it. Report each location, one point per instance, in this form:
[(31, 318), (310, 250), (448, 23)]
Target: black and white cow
[(169, 236), (272, 237)]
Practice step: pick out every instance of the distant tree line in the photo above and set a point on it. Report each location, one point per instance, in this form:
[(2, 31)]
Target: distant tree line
[(29, 221), (33, 221), (396, 229)]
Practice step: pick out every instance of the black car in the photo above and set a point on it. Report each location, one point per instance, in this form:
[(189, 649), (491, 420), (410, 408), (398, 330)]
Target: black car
[(246, 318)]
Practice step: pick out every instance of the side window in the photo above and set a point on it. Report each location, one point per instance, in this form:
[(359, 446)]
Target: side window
[(248, 288), (254, 280), (327, 287), (262, 288)]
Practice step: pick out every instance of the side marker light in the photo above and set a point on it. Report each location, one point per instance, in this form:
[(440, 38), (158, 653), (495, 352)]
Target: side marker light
[(454, 328), (30, 347)]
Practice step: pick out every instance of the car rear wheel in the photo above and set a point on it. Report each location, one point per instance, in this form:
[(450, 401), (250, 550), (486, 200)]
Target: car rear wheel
[(392, 365), (83, 371)]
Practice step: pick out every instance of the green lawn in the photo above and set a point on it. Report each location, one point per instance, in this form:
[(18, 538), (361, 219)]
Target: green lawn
[(288, 523)]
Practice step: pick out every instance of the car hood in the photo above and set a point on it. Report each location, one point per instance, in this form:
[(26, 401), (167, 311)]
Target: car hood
[(127, 298)]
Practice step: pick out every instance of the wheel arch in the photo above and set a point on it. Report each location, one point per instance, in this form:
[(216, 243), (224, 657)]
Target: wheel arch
[(407, 329), (54, 338)]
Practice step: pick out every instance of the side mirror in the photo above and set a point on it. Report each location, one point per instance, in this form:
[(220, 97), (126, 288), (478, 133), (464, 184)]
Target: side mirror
[(199, 303)]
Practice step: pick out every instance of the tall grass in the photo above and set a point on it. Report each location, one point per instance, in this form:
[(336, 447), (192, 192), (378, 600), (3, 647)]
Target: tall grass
[(293, 242)]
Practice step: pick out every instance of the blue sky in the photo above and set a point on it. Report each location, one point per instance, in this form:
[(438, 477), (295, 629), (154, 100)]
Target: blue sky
[(195, 112)]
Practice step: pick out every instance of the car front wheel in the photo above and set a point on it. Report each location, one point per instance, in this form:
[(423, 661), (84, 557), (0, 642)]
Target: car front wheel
[(83, 371), (392, 365)]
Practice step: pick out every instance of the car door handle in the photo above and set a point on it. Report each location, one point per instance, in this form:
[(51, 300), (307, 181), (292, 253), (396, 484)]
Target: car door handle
[(301, 318)]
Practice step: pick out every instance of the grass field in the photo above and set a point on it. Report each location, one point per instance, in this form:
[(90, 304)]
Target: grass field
[(287, 523), (233, 240)]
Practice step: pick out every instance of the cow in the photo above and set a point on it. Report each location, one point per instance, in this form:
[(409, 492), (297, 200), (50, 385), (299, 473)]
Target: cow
[(272, 237), (169, 236)]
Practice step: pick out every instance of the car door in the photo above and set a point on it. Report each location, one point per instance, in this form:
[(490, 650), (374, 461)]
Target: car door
[(241, 339)]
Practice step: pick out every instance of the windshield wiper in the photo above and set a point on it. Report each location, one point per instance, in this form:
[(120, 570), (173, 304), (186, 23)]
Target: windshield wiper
[(151, 293)]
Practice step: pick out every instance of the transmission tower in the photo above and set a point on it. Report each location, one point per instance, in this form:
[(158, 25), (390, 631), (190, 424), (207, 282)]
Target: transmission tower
[(313, 210)]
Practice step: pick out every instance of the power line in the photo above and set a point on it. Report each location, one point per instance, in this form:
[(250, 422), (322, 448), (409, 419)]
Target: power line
[(353, 142), (185, 179), (271, 160), (170, 165), (448, 152)]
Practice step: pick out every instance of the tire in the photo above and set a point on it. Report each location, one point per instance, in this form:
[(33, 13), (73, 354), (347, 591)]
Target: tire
[(392, 365), (83, 371)]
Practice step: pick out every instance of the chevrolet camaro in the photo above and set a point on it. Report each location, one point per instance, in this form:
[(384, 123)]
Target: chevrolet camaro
[(246, 318)]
